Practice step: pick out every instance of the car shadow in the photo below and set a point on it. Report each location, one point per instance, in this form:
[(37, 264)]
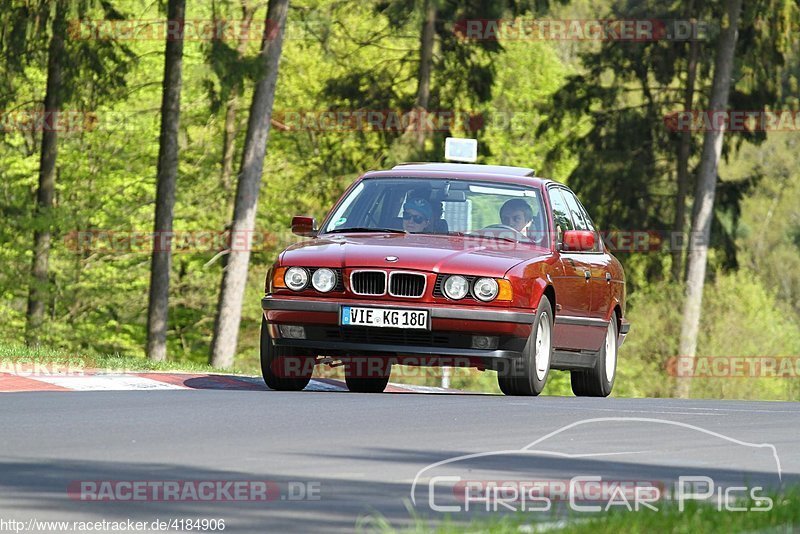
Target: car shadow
[(318, 385)]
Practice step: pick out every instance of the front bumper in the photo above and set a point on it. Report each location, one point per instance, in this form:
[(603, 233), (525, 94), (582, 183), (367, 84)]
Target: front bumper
[(450, 333), (625, 327)]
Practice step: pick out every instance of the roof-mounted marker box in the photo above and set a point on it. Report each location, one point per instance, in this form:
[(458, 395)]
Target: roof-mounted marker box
[(457, 149)]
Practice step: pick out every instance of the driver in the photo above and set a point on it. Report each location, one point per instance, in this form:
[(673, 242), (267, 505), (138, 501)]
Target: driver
[(517, 214), (417, 214)]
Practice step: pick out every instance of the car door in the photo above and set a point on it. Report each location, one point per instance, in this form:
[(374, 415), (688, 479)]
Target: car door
[(602, 291), (597, 288), (572, 285)]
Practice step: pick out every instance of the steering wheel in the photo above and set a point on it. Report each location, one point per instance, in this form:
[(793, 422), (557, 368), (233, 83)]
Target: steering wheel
[(504, 227)]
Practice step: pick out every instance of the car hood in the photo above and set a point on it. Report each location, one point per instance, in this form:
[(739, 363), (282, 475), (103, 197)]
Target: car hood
[(449, 254)]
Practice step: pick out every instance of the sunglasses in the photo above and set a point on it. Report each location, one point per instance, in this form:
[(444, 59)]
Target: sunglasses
[(418, 219)]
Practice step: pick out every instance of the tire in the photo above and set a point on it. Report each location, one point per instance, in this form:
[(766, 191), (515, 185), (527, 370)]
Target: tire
[(375, 382), (599, 381), (277, 362), (527, 376)]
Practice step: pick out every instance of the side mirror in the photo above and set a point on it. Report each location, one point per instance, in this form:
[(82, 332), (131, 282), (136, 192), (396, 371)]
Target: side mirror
[(577, 241), (304, 226)]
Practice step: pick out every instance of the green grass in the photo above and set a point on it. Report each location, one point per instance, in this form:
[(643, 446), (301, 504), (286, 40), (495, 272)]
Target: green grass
[(15, 356), (698, 517)]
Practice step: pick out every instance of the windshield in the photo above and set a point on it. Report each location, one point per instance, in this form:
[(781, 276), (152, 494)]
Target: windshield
[(441, 206)]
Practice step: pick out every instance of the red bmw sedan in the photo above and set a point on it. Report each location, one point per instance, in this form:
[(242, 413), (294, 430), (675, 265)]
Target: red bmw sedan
[(443, 264)]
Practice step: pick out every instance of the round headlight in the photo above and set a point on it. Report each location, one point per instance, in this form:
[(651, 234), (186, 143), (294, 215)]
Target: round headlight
[(485, 289), (296, 278), (456, 287), (323, 280)]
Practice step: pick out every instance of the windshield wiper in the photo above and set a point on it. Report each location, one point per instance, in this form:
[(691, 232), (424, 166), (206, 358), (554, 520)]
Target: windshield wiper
[(366, 229)]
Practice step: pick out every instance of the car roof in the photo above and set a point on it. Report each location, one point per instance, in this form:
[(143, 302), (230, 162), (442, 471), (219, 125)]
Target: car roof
[(462, 171), (467, 167)]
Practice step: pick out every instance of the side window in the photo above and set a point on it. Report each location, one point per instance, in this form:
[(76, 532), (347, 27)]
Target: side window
[(575, 210), (581, 217), (561, 217), (598, 246), (589, 223)]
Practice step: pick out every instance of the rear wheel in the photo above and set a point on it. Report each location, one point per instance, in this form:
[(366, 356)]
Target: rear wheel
[(599, 381), (528, 375), (282, 367), (367, 376)]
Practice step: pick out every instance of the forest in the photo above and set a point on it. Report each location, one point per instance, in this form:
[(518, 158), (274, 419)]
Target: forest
[(152, 155)]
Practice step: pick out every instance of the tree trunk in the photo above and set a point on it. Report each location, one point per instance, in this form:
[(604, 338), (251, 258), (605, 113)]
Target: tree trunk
[(704, 195), (39, 284), (228, 138), (232, 106), (234, 277), (425, 66), (167, 175), (684, 153)]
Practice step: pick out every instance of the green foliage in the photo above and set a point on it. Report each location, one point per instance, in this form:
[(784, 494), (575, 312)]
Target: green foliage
[(740, 319), (626, 90), (768, 235), (589, 114)]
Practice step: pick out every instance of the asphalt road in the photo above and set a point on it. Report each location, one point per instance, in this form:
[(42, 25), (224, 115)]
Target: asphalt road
[(357, 455)]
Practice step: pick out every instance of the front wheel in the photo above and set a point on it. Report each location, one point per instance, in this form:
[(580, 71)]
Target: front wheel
[(528, 375), (283, 368), (599, 381), (367, 376)]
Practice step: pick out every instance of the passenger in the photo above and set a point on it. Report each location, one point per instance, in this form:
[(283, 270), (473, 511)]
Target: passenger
[(417, 215)]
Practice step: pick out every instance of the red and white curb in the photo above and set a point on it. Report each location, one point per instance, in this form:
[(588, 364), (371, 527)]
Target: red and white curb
[(98, 381)]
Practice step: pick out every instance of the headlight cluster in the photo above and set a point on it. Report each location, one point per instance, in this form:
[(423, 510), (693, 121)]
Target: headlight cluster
[(323, 280), (456, 287), (485, 289), (297, 279)]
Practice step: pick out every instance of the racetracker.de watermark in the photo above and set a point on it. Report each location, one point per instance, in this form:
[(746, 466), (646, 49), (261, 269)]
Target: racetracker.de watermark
[(380, 120), (395, 121), (123, 242), (734, 366), (633, 30), (215, 241), (779, 120), (377, 366), (57, 121), (32, 367), (193, 490), (172, 30)]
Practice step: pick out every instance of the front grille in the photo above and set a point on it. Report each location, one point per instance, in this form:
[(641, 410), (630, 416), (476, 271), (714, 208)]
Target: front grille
[(406, 285), (368, 282)]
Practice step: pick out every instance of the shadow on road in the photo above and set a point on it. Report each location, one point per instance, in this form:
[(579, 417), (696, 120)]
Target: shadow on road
[(35, 489)]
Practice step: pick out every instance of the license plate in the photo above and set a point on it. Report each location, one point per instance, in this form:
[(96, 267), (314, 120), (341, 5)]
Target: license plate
[(384, 317)]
